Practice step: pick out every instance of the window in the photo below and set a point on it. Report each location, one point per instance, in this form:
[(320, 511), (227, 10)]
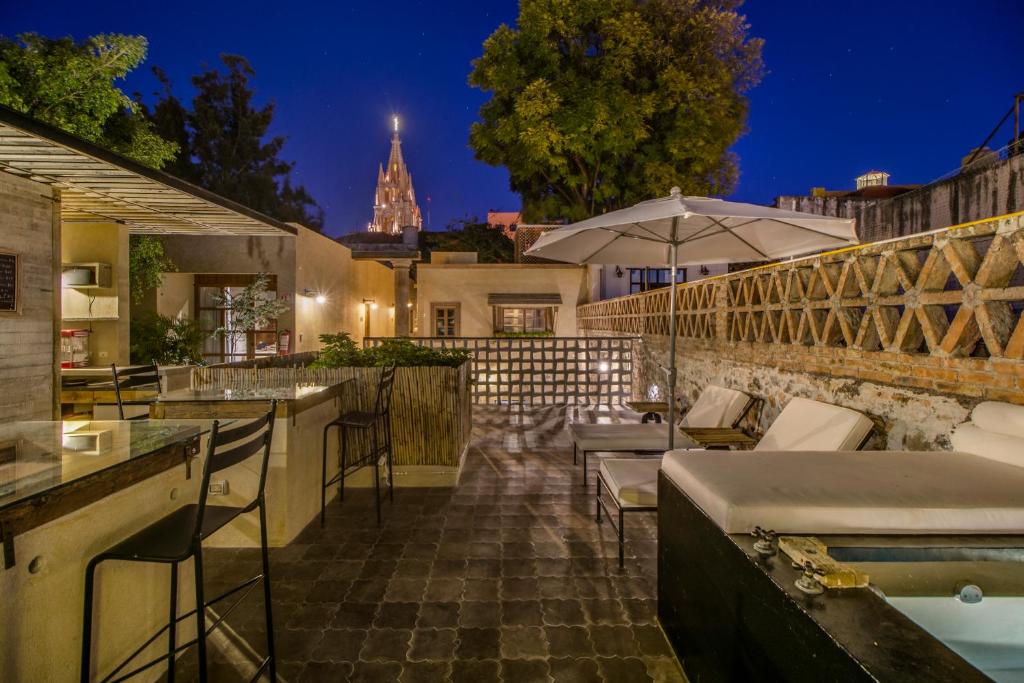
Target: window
[(645, 279), (524, 319), (212, 316), (445, 320)]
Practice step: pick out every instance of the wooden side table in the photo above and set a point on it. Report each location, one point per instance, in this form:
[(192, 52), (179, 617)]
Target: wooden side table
[(719, 436), (652, 410)]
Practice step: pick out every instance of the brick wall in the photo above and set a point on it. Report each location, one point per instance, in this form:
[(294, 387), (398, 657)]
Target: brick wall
[(914, 332), (27, 371)]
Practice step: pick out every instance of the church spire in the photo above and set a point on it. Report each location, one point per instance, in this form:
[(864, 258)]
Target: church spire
[(395, 200)]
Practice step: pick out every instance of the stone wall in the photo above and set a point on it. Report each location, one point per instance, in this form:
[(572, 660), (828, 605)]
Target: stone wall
[(29, 227), (986, 192), (913, 332)]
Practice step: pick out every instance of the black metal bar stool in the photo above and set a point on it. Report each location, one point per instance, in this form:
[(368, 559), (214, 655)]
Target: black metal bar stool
[(142, 377), (377, 423), (179, 536)]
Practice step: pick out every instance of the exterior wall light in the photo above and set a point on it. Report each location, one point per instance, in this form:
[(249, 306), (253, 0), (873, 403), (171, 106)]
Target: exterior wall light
[(318, 297)]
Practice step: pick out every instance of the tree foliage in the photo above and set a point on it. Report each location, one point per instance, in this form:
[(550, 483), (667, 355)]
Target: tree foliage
[(225, 146), (599, 104), (341, 351), (72, 86), (147, 262)]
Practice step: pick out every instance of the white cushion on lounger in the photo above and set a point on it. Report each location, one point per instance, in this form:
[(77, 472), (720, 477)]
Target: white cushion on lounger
[(858, 492), (970, 438), (806, 425), (1002, 418), (633, 481), (716, 407), (623, 437)]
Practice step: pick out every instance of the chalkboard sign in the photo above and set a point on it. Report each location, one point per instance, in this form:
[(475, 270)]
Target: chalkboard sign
[(8, 282)]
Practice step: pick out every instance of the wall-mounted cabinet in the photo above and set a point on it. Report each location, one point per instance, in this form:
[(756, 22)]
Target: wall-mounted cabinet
[(85, 275)]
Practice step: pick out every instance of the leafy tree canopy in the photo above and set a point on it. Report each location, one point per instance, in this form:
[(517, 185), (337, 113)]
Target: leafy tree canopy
[(599, 104), (224, 144), (469, 234), (71, 85)]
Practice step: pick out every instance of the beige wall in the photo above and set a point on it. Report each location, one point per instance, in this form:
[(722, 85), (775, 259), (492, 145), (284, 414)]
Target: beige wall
[(469, 285), (28, 226), (308, 261), (104, 311)]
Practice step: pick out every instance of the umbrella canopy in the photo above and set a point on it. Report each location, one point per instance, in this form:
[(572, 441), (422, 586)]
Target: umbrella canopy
[(677, 231), (706, 231)]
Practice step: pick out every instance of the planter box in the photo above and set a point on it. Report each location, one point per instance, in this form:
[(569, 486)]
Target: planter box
[(431, 411)]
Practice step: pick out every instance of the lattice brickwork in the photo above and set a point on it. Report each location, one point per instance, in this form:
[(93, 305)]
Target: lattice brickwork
[(942, 305)]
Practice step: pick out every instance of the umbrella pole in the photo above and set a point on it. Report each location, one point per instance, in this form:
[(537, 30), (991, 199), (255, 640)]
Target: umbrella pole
[(674, 263)]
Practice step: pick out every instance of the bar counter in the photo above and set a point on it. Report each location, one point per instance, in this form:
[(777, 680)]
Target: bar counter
[(69, 490)]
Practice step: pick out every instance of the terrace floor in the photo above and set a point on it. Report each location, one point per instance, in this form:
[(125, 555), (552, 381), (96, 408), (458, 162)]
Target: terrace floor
[(504, 577)]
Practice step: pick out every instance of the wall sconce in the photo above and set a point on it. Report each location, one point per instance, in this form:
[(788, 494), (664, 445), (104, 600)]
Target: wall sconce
[(618, 271), (318, 297), (370, 303)]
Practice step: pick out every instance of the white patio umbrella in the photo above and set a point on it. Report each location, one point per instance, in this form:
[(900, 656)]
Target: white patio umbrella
[(678, 231)]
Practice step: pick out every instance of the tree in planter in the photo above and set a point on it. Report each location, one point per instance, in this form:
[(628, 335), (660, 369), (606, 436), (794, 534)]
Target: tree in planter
[(146, 263), (251, 309)]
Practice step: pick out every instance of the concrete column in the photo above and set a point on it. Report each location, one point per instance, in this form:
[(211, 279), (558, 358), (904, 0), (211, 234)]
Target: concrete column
[(403, 287)]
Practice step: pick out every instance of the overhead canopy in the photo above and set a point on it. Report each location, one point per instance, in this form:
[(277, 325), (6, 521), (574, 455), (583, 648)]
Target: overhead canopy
[(98, 185), (706, 231), (524, 299)]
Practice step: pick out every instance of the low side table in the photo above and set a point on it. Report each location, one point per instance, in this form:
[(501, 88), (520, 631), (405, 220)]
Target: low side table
[(719, 436), (652, 410)]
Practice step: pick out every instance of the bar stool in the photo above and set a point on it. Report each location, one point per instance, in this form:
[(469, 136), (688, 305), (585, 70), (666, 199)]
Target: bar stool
[(134, 378), (179, 536), (378, 424)]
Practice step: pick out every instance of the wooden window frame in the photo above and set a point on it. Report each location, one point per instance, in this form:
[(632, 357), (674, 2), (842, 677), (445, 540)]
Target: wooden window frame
[(435, 306), (222, 280)]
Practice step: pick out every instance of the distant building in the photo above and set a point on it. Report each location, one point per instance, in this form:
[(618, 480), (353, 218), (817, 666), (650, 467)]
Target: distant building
[(394, 202), (506, 221)]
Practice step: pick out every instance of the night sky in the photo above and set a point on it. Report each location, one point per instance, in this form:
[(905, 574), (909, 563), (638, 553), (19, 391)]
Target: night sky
[(907, 87)]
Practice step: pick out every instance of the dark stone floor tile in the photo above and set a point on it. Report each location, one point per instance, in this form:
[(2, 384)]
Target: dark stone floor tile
[(308, 616), (412, 569), (478, 614), (614, 641), (481, 589), (376, 672), (475, 671), (478, 643), (640, 611), (354, 615), (339, 645), (568, 641), (525, 670), (329, 591), (519, 568), (342, 569), (518, 588), (664, 669), (562, 612), (443, 590), (367, 590), (438, 615), (523, 642), (387, 551), (448, 569), (400, 615), (557, 567), (295, 645), (433, 643), (521, 613), (405, 590), (378, 569), (570, 670), (322, 672), (420, 551), (425, 672), (623, 669), (604, 611), (556, 587), (590, 587), (483, 569), (386, 644)]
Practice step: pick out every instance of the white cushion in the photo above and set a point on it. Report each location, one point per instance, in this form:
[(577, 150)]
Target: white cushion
[(633, 482), (623, 437), (806, 425), (852, 492), (970, 438), (1002, 418), (716, 407)]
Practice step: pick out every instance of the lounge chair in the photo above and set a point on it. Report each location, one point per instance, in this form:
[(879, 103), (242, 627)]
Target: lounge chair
[(803, 425), (715, 407)]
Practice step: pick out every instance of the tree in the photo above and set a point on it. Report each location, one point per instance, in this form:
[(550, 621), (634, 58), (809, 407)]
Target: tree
[(72, 86), (224, 144), (599, 104)]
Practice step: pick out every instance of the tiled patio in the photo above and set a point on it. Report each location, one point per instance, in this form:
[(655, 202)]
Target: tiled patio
[(505, 577)]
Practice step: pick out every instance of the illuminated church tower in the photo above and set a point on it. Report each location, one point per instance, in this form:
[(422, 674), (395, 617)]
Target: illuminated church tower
[(394, 204)]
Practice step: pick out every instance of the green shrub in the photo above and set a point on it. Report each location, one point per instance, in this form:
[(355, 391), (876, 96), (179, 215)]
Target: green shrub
[(167, 341), (340, 351)]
